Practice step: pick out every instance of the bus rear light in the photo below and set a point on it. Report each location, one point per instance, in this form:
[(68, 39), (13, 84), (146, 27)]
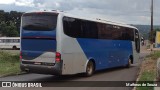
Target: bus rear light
[(58, 57), (20, 55)]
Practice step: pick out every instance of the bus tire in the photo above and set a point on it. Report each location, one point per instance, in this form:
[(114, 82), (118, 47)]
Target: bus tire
[(129, 63), (89, 69), (14, 48)]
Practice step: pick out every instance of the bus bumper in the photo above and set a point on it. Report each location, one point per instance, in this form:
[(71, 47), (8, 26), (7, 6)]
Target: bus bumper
[(42, 69)]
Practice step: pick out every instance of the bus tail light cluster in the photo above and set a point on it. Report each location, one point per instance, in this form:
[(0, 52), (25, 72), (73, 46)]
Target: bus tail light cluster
[(20, 55), (58, 57)]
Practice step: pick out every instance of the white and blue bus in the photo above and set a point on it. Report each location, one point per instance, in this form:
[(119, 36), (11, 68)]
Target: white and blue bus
[(59, 43)]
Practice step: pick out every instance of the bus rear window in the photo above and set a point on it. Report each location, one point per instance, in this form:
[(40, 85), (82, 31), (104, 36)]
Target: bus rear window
[(39, 21)]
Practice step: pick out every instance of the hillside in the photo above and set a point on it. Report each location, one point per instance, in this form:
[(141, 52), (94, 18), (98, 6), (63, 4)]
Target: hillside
[(145, 29)]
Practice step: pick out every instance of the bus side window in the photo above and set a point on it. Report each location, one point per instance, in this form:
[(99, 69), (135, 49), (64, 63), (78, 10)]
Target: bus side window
[(137, 41)]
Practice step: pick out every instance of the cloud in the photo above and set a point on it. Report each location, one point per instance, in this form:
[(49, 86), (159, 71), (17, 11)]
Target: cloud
[(7, 1), (128, 11), (12, 7), (28, 3)]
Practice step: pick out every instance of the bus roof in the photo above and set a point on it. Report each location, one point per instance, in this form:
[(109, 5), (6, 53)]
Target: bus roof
[(99, 20), (86, 18)]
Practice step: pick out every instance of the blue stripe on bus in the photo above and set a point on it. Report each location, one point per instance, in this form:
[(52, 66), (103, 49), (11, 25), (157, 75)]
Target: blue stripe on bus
[(36, 43), (106, 53), (27, 33), (33, 48)]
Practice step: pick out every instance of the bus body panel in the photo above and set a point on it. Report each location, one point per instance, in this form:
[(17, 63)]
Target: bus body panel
[(38, 47), (35, 50), (35, 44), (136, 46), (135, 54), (38, 55), (9, 45), (71, 52), (107, 53), (74, 59)]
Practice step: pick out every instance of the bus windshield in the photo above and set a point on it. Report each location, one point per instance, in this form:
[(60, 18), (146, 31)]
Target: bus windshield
[(39, 21)]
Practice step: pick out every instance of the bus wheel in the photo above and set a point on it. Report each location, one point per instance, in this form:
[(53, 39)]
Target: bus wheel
[(14, 47), (129, 63), (89, 69)]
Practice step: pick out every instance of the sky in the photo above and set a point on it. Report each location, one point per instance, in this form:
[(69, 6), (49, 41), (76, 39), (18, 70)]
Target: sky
[(126, 11)]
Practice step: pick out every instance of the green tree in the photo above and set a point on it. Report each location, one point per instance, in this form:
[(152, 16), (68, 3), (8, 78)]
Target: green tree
[(2, 17), (3, 28), (12, 30), (10, 23), (8, 30)]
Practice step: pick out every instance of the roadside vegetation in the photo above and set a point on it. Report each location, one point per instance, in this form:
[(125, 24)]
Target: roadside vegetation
[(10, 23), (9, 64), (148, 69)]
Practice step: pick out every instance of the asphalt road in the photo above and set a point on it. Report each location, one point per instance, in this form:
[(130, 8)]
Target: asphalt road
[(115, 74)]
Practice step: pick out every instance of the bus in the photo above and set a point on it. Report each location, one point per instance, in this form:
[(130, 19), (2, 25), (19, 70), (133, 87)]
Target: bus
[(60, 43), (10, 43)]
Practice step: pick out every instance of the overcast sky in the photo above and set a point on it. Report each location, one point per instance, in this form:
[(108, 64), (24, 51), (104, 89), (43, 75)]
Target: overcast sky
[(127, 11)]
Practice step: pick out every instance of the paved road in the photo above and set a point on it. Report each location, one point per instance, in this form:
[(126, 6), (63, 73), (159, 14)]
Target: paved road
[(116, 74)]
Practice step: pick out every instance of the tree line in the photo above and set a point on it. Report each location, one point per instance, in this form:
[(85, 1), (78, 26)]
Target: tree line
[(10, 23)]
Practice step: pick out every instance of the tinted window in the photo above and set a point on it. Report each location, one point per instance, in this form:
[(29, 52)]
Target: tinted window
[(72, 27), (10, 41), (89, 29), (15, 41), (104, 31), (39, 21), (79, 28), (127, 33), (112, 32)]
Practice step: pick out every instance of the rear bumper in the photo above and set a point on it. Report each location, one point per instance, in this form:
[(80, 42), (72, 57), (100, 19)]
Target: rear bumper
[(42, 69)]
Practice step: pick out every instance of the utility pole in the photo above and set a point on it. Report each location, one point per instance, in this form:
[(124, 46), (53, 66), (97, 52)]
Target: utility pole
[(152, 25)]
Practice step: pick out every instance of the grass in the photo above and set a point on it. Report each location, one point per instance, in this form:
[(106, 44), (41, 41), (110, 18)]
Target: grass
[(9, 64), (148, 76), (148, 69), (155, 55)]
